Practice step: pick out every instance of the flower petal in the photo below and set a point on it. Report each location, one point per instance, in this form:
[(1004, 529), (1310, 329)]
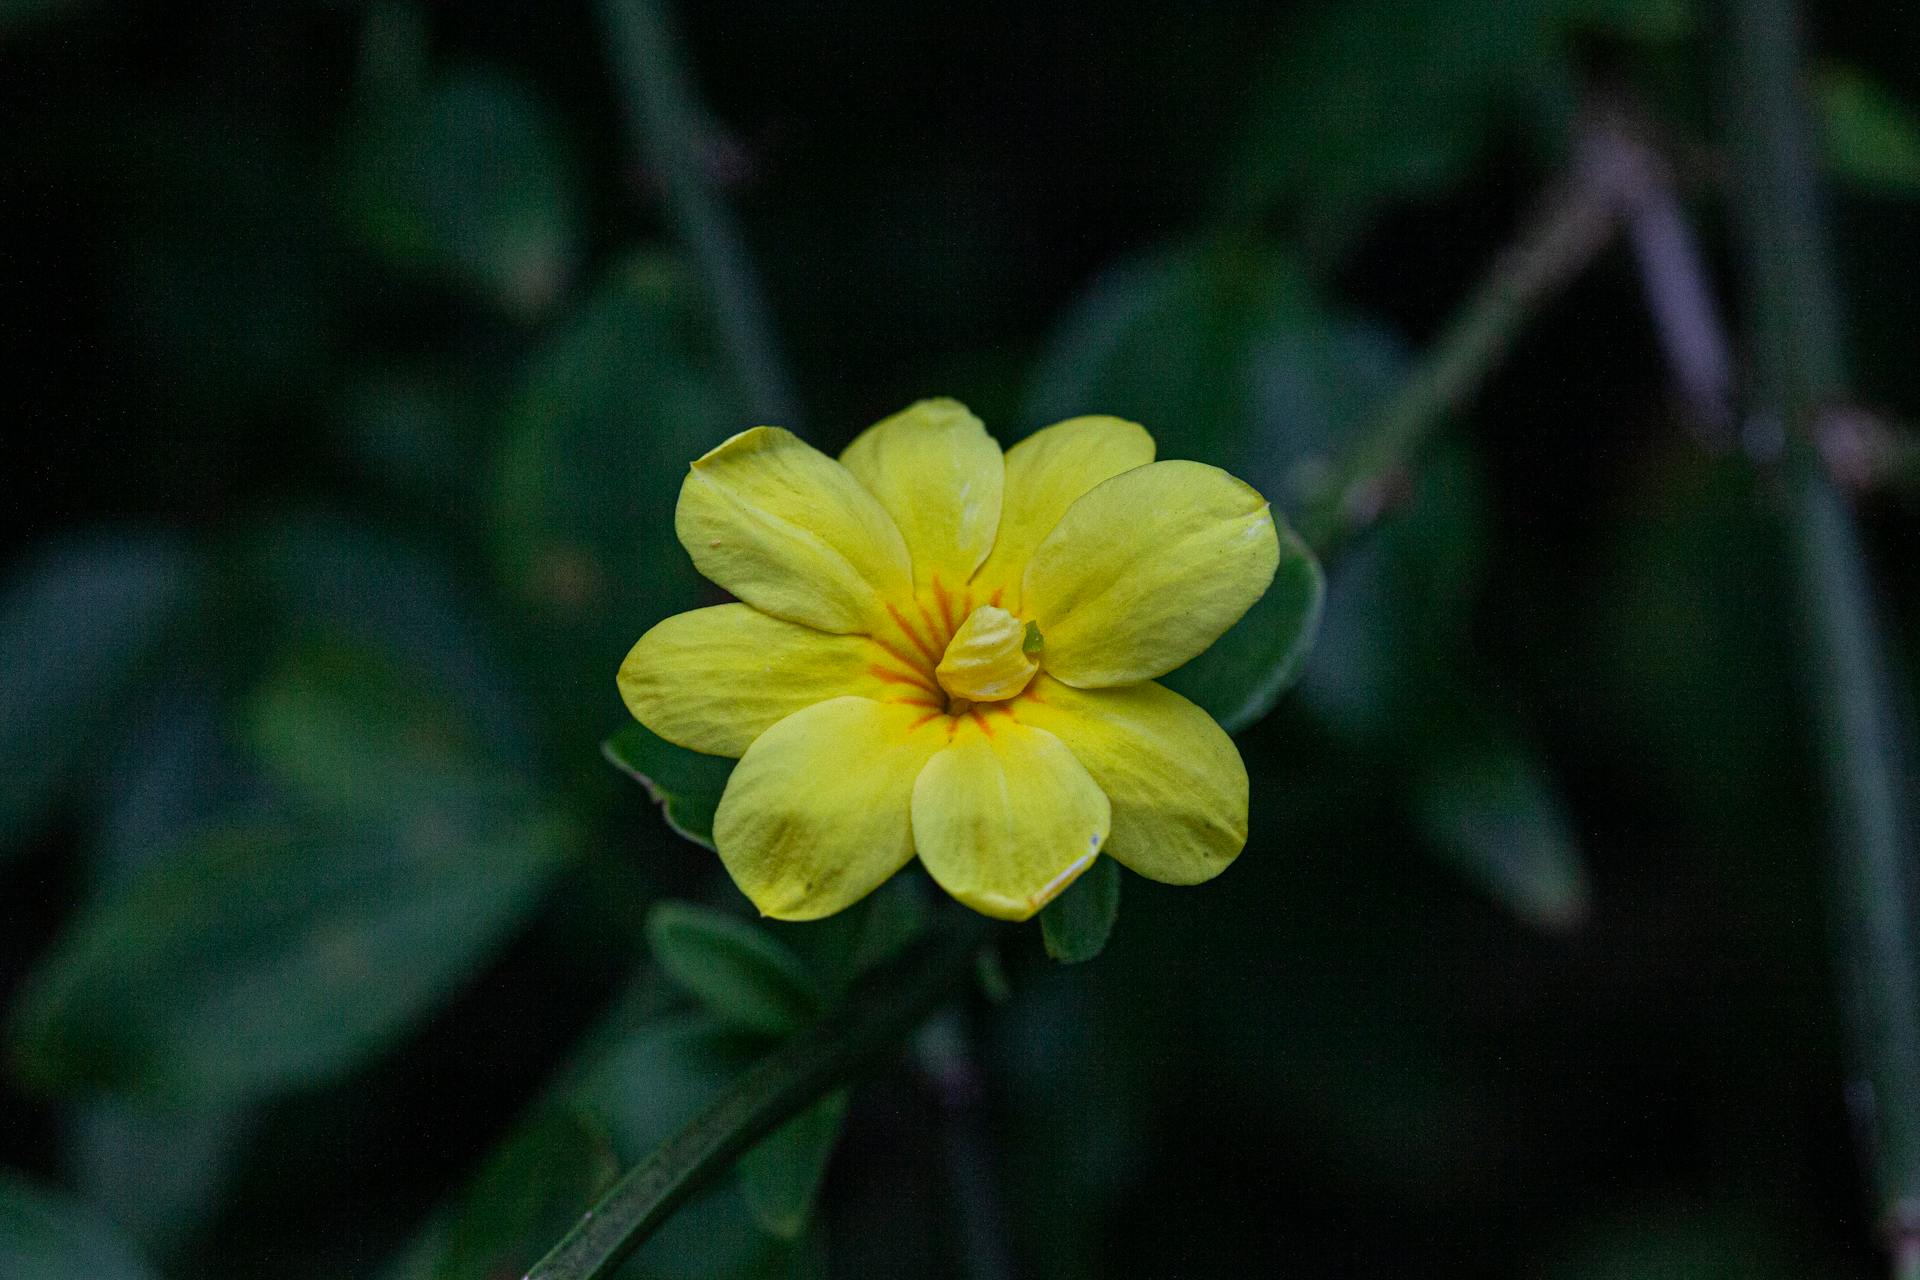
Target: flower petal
[(1146, 570), (791, 532), (1046, 472), (715, 679), (815, 816), (1005, 818), (1175, 779), (939, 475)]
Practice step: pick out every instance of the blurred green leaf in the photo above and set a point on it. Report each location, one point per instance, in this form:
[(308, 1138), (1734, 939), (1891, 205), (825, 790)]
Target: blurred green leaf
[(742, 974), (1393, 637), (46, 1236), (174, 770), (1076, 925), (1492, 811), (781, 1177), (471, 181), (158, 1172), (259, 958), (872, 932), (685, 784), (1375, 101), (330, 580), (1872, 137), (1242, 676), (1226, 355), (349, 730), (80, 625), (1679, 644), (596, 442), (531, 1190)]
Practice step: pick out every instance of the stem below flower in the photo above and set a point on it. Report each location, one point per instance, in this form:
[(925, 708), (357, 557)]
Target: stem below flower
[(875, 1019)]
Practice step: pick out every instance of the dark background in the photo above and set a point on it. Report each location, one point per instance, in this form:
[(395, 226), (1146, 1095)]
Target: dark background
[(350, 369)]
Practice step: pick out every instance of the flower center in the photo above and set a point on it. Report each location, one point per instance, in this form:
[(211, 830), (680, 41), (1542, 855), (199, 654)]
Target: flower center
[(990, 658)]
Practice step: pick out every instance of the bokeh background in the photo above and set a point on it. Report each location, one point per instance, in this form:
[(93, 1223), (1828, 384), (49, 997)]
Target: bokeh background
[(352, 364)]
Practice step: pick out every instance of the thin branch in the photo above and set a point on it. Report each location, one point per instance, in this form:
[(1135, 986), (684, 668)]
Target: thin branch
[(1570, 228), (663, 111), (878, 1016), (1799, 374)]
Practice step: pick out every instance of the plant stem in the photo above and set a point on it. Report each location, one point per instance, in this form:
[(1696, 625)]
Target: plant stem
[(1567, 232), (947, 1060), (1799, 374), (664, 111), (876, 1018)]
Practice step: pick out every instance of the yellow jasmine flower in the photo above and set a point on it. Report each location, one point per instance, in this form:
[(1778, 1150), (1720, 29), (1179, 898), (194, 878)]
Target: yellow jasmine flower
[(946, 651)]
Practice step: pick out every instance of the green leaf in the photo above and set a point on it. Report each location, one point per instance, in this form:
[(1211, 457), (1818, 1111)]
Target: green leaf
[(158, 1172), (80, 626), (1240, 678), (1393, 642), (351, 730), (1872, 137), (261, 958), (1076, 925), (45, 1236), (781, 1177), (471, 181), (872, 932), (597, 439), (746, 977), (685, 784), (1494, 813), (1223, 351), (330, 580), (530, 1191), (1375, 101)]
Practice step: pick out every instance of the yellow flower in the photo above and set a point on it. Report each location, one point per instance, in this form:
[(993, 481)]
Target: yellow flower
[(946, 651)]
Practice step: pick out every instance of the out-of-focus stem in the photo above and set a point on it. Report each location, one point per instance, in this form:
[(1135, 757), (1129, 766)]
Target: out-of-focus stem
[(946, 1059), (1799, 373), (1571, 226), (664, 113)]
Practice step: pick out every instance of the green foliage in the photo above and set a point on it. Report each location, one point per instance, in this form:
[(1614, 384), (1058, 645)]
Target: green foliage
[(263, 958), (386, 368), (52, 1237), (533, 1187), (780, 1179), (106, 604), (597, 437), (1491, 809), (470, 180), (685, 784), (742, 974), (1871, 136), (1241, 678), (1077, 924), (1383, 100)]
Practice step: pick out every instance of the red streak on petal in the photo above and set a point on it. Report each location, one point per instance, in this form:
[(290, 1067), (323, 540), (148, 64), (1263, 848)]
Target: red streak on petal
[(933, 628), (931, 715), (980, 720), (887, 675), (926, 649), (946, 603)]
